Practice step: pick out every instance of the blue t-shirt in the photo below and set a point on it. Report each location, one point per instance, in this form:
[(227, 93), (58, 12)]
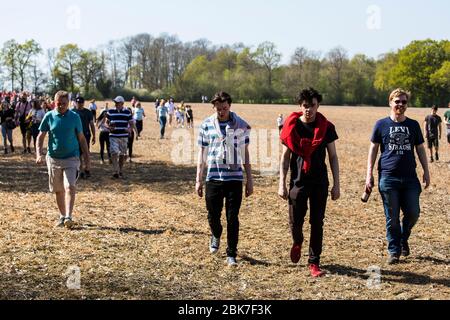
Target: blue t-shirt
[(397, 142), (138, 114), (63, 130)]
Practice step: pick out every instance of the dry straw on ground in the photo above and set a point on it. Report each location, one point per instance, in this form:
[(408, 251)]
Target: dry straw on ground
[(147, 237)]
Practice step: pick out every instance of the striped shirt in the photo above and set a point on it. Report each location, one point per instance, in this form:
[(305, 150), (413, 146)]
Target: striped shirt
[(220, 154), (119, 121)]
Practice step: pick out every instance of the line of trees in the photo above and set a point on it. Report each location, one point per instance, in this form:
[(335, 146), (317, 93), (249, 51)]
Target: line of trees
[(150, 67)]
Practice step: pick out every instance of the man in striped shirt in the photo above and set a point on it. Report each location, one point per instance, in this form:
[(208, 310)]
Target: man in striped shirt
[(223, 141), (119, 120)]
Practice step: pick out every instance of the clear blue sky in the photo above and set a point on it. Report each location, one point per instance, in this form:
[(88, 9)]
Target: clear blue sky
[(318, 25)]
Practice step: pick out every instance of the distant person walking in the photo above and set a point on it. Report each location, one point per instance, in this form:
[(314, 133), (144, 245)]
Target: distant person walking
[(307, 138), (138, 116), (171, 108), (8, 124), (224, 140), (432, 128), (23, 108), (118, 121), (104, 135), (189, 117), (36, 116), (162, 111), (93, 109), (87, 121), (63, 159), (447, 121), (398, 137), (280, 122)]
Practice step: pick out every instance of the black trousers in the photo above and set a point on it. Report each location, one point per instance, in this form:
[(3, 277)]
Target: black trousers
[(104, 140), (317, 195), (216, 193), (139, 126), (130, 144)]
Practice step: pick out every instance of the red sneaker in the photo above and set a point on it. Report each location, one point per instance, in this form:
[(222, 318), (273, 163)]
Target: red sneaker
[(315, 271), (296, 253)]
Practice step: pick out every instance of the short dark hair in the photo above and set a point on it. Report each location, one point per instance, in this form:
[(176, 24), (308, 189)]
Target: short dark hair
[(222, 97), (435, 108), (308, 95)]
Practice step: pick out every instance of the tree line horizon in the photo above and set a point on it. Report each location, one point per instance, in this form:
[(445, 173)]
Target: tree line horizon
[(150, 67)]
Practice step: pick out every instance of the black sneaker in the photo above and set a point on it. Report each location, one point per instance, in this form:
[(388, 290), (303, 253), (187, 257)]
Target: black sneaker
[(405, 249), (82, 175), (116, 176), (393, 259), (29, 150), (12, 149), (431, 160), (87, 174), (437, 157)]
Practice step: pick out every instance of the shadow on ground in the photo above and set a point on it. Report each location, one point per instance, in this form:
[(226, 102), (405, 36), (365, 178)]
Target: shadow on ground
[(403, 277), (23, 175)]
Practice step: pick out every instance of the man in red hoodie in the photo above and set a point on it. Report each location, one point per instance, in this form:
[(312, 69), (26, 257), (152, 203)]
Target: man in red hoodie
[(307, 136)]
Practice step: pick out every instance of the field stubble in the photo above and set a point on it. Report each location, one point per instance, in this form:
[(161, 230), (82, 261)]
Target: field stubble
[(147, 237)]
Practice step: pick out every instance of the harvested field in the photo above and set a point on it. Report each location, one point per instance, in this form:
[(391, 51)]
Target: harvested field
[(147, 237)]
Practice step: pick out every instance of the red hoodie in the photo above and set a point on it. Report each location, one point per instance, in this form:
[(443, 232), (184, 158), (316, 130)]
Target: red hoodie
[(304, 147)]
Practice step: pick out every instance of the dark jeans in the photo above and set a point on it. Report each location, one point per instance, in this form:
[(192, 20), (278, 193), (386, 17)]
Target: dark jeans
[(216, 192), (35, 132), (163, 123), (104, 140), (404, 194), (139, 126), (317, 196), (130, 144)]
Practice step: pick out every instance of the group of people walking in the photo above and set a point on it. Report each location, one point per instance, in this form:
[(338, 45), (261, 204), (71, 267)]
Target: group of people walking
[(308, 137), (167, 112)]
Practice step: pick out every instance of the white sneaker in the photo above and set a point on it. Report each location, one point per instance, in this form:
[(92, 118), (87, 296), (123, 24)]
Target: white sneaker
[(214, 245), (232, 262)]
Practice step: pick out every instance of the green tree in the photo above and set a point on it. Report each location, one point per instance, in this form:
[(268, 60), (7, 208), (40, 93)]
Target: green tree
[(9, 59), (269, 58), (67, 60), (88, 70), (24, 57), (417, 69), (359, 80)]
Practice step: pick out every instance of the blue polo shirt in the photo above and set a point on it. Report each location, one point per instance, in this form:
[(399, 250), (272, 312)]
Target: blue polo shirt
[(63, 130)]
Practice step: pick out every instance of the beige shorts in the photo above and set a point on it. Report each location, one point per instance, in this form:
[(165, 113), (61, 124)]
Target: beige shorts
[(63, 173), (119, 146)]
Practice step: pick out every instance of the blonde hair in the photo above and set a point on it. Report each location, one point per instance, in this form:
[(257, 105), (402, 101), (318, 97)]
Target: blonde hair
[(61, 94), (399, 92)]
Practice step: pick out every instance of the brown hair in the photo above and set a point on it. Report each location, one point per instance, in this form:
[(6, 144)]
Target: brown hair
[(222, 97), (61, 94), (397, 93)]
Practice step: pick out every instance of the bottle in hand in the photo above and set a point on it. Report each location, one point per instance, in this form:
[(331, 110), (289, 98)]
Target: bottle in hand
[(365, 197)]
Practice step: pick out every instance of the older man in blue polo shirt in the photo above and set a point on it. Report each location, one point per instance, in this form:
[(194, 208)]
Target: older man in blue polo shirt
[(63, 158)]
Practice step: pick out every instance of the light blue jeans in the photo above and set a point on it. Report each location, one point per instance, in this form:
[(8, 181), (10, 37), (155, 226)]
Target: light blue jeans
[(7, 135), (400, 193)]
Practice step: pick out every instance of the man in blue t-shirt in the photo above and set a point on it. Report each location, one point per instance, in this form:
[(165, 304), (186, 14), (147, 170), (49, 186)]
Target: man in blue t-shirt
[(63, 159), (398, 137)]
